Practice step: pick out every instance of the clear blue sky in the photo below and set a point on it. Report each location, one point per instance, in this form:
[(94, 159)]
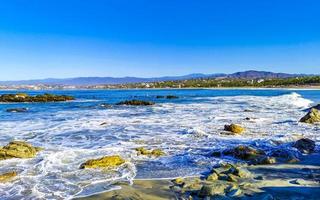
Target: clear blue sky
[(69, 38)]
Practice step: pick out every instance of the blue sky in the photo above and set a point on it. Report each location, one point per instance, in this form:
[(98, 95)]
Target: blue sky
[(147, 38)]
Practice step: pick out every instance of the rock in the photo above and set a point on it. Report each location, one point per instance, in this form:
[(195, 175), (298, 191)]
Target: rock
[(154, 152), (305, 145), (213, 189), (299, 182), (105, 105), (160, 97), (265, 160), (104, 162), (212, 177), (312, 117), (234, 128), (104, 123), (136, 103), (8, 176), (21, 97), (245, 153), (18, 149), (193, 184), (17, 110), (284, 155), (259, 178), (171, 97), (178, 181)]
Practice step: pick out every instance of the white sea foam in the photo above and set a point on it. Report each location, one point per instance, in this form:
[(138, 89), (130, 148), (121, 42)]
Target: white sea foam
[(187, 132)]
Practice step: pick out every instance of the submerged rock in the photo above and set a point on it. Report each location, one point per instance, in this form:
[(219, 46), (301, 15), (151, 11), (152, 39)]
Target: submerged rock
[(21, 97), (234, 128), (8, 176), (167, 97), (17, 110), (312, 117), (154, 152), (18, 149), (284, 155), (104, 162), (136, 103), (305, 145)]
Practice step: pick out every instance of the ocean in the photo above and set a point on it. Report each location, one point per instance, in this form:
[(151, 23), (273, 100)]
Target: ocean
[(187, 129)]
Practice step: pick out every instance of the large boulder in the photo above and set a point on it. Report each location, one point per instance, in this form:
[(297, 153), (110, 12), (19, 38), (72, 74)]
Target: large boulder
[(305, 145), (8, 176), (104, 162), (18, 149), (136, 103), (312, 117), (234, 128)]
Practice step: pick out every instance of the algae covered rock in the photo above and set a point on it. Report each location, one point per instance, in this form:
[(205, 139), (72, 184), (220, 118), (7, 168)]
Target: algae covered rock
[(18, 149), (8, 176), (305, 145), (104, 162), (312, 117), (154, 152), (234, 128), (213, 189), (136, 103), (21, 97)]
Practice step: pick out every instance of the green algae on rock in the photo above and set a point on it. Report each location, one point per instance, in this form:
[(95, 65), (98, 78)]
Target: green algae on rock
[(312, 117), (154, 152), (104, 162), (234, 128), (8, 176), (18, 149), (21, 97), (136, 103)]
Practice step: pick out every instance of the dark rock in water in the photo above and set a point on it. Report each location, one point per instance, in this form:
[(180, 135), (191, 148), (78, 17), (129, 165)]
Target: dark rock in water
[(21, 97), (18, 149), (312, 117), (167, 97), (245, 153), (284, 155), (105, 105), (136, 103), (305, 145), (172, 97), (17, 110), (234, 128)]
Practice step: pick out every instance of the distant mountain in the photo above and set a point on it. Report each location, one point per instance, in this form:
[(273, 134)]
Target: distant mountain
[(251, 74), (87, 81)]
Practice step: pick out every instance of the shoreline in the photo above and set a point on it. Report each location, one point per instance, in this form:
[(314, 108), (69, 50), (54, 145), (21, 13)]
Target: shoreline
[(280, 181)]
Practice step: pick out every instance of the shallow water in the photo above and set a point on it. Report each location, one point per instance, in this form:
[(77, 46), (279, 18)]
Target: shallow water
[(187, 129)]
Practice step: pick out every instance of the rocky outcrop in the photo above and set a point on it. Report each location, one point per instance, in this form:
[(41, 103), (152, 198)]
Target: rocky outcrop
[(136, 103), (234, 128), (104, 162), (18, 149), (312, 117), (21, 97), (154, 152), (17, 110), (8, 176), (305, 145)]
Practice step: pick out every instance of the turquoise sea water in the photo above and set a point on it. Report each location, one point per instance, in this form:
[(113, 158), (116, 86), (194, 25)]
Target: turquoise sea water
[(187, 129)]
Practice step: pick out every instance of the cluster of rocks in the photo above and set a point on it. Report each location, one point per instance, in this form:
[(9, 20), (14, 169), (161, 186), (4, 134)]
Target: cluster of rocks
[(258, 156), (135, 102), (16, 149), (22, 97), (224, 180), (150, 153)]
